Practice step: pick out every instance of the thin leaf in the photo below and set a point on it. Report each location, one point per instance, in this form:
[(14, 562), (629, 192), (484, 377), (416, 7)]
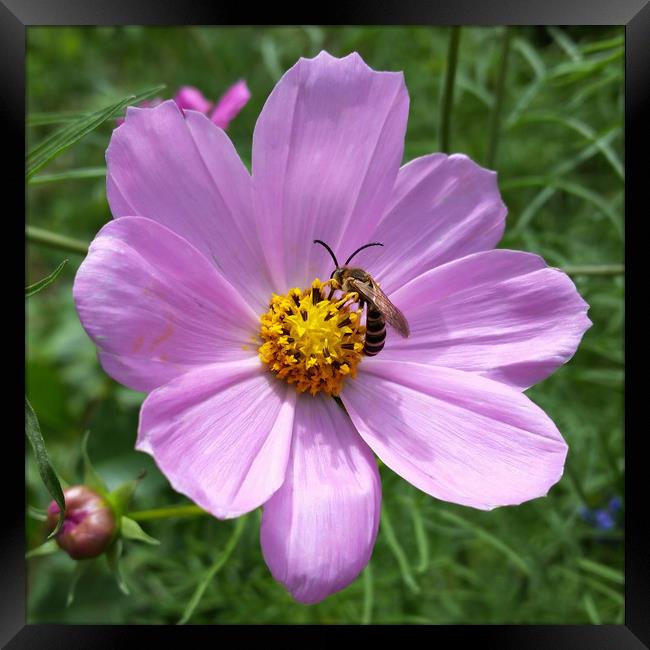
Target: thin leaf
[(213, 570), (592, 611), (565, 43), (528, 52), (69, 175), (43, 119), (491, 539), (91, 478), (579, 127), (398, 552), (601, 570), (132, 530), (41, 284), (368, 596), (47, 473), (113, 555), (79, 570), (64, 138), (47, 548)]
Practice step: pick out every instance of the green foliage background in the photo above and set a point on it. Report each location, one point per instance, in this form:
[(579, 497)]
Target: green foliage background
[(559, 161)]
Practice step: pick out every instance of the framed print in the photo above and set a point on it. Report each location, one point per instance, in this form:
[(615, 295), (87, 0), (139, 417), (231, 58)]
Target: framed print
[(326, 322)]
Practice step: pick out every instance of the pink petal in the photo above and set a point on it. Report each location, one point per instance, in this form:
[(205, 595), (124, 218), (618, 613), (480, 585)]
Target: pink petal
[(503, 314), (156, 307), (319, 528), (183, 171), (230, 104), (221, 434), (190, 98), (455, 435), (442, 207), (326, 152)]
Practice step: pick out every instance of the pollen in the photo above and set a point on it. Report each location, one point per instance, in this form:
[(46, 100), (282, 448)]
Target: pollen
[(313, 339)]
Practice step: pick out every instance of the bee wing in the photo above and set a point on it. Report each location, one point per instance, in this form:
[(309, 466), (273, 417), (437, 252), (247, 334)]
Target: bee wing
[(373, 294)]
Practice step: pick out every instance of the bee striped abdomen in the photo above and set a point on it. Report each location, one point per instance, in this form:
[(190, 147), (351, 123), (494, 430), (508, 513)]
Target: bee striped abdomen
[(375, 332)]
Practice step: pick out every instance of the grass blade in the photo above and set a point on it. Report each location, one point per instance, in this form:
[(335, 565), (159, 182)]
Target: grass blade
[(41, 284), (368, 596), (63, 139), (71, 174), (447, 97), (213, 570), (398, 552), (494, 541)]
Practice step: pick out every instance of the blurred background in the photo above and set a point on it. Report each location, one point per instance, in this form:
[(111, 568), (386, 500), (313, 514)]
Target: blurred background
[(541, 105)]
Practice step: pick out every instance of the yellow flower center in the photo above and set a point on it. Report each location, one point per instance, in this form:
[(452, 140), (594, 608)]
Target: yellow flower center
[(312, 340)]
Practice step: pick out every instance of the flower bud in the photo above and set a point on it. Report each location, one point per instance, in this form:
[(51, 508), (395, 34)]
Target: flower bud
[(89, 523)]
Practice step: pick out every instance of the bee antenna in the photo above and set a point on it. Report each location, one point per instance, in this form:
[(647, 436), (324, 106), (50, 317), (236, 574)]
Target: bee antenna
[(329, 250), (360, 249)]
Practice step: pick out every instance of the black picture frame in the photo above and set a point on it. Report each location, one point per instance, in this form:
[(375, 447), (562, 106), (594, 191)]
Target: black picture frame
[(16, 15)]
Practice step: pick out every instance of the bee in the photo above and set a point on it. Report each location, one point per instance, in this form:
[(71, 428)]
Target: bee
[(380, 309)]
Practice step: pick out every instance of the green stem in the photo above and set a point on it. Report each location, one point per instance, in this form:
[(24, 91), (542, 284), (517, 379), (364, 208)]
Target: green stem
[(54, 240), (164, 513), (447, 98), (495, 117), (596, 269)]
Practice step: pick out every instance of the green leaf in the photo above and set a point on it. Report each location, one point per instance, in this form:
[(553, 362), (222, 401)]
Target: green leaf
[(79, 570), (213, 570), (64, 138), (91, 477), (48, 547), (41, 284), (113, 555), (48, 475), (132, 530)]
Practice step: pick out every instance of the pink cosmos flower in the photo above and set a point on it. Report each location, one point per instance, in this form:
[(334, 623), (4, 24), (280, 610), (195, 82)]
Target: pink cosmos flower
[(225, 110), (202, 292)]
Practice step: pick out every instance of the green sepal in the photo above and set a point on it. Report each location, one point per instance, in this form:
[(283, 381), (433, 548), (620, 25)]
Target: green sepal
[(41, 284), (131, 530), (113, 555), (45, 469), (48, 547), (91, 478), (79, 570), (120, 497)]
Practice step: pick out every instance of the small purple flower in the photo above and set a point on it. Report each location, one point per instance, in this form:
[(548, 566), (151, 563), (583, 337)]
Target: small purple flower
[(204, 292), (89, 524), (615, 504), (604, 520)]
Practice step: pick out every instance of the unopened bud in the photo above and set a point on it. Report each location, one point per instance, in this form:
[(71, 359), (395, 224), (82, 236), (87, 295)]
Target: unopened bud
[(89, 523)]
